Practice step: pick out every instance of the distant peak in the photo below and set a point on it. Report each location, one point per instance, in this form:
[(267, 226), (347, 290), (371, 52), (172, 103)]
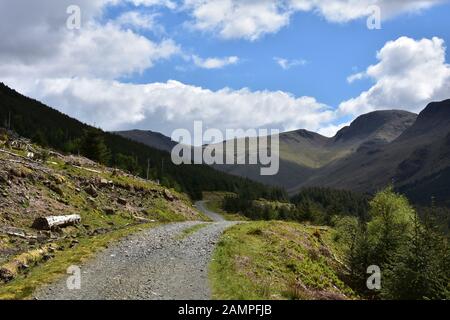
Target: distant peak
[(304, 134), (436, 110), (434, 119), (385, 125)]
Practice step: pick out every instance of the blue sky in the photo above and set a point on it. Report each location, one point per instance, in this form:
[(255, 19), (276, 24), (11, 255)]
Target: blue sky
[(333, 51), (161, 64)]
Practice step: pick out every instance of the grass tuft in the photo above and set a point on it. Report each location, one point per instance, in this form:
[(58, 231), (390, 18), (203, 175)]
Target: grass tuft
[(191, 230)]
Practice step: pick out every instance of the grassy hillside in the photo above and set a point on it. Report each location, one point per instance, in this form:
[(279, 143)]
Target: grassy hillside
[(111, 203), (304, 154), (278, 260), (46, 126)]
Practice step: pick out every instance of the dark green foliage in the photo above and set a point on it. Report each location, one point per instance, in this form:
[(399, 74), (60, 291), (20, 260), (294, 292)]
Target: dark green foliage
[(316, 205), (127, 162), (34, 120), (93, 146), (420, 269), (440, 215), (321, 204), (244, 203), (412, 254)]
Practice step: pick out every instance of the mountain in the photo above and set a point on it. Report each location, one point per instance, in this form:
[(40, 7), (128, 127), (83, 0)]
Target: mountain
[(417, 162), (383, 126), (152, 139), (410, 151), (49, 127), (304, 154)]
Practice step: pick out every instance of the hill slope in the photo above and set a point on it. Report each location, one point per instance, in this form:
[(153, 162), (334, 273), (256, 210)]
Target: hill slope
[(46, 126), (278, 261), (111, 204), (419, 159), (152, 139), (303, 154)]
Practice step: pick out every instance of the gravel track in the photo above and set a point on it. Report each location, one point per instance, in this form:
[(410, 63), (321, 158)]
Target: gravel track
[(156, 264)]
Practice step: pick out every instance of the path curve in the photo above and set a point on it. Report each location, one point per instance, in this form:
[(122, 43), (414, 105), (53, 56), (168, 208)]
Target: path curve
[(201, 205)]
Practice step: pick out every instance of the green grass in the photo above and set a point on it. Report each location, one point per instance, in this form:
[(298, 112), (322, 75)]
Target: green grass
[(277, 260), (95, 232), (191, 230), (24, 285), (146, 202)]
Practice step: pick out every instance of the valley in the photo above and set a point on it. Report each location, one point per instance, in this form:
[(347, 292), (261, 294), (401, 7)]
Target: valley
[(375, 150), (139, 227)]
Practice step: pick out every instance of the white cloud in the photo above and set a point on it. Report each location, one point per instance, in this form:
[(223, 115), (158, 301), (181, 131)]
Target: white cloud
[(139, 20), (77, 71), (287, 64), (214, 63), (32, 30), (410, 74), (246, 19), (348, 10), (356, 76), (167, 106), (332, 129), (37, 44), (251, 19), (97, 51), (150, 3)]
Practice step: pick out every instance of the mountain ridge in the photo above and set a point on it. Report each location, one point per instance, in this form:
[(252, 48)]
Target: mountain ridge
[(150, 138), (378, 148)]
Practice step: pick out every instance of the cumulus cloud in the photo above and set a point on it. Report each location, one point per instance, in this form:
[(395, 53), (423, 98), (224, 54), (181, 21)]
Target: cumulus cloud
[(251, 19), (246, 19), (78, 71), (150, 3), (32, 30), (410, 74), (112, 59), (214, 63), (330, 130), (171, 105), (348, 10), (36, 42), (286, 64), (139, 20)]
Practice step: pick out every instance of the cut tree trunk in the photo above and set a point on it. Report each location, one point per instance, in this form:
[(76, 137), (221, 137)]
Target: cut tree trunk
[(52, 222)]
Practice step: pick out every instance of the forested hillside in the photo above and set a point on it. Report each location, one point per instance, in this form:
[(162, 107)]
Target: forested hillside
[(49, 127)]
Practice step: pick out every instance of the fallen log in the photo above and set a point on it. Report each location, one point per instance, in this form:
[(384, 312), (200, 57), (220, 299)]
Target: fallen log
[(16, 232), (52, 222)]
